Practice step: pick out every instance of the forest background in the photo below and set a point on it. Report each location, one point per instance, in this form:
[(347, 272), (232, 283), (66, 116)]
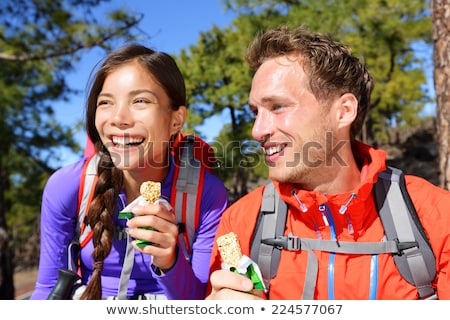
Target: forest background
[(404, 43)]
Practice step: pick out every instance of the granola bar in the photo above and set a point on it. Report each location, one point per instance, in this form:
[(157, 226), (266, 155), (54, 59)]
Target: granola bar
[(229, 249), (151, 191)]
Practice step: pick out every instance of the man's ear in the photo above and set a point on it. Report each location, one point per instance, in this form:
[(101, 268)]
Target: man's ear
[(347, 109), (178, 119)]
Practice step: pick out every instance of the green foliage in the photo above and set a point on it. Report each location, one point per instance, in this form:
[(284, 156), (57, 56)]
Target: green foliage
[(241, 160), (383, 33), (40, 42), (218, 82), (215, 69)]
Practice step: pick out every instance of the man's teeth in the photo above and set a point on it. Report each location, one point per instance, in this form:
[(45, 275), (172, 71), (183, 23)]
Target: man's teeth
[(272, 150)]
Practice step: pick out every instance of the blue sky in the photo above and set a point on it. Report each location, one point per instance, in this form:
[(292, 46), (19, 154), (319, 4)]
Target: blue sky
[(171, 24)]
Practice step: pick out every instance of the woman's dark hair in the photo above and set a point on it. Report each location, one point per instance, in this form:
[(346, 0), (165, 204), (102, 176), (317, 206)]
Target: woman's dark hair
[(100, 215)]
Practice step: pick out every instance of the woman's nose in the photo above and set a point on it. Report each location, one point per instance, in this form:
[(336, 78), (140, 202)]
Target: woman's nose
[(122, 116)]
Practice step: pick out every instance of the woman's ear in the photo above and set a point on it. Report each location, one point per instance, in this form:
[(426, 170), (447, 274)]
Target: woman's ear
[(347, 109), (178, 119)]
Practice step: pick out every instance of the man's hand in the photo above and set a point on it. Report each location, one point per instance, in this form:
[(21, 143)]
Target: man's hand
[(227, 285)]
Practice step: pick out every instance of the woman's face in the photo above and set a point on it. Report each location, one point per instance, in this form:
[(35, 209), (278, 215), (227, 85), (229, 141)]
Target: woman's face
[(134, 118)]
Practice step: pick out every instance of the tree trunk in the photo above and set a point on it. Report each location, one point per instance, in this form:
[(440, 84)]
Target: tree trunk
[(6, 268), (6, 252), (440, 12)]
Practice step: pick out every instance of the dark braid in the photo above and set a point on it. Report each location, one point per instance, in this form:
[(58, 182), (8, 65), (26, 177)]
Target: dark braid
[(100, 219)]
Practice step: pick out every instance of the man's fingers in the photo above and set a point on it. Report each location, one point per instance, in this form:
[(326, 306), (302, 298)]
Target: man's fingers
[(228, 294), (227, 279)]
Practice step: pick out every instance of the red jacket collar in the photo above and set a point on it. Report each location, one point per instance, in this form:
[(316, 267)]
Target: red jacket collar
[(371, 162)]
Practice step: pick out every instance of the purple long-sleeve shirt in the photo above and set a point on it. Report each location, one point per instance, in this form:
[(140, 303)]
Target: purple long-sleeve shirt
[(58, 220)]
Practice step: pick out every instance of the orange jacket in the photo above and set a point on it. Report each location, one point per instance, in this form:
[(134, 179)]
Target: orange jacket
[(351, 278)]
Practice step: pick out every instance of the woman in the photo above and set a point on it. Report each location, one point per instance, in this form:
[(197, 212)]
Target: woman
[(136, 106)]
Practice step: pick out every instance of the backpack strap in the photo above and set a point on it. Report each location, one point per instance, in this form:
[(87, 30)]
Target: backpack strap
[(268, 242), (82, 230), (401, 223), (127, 267), (186, 195), (406, 241), (85, 194), (273, 213)]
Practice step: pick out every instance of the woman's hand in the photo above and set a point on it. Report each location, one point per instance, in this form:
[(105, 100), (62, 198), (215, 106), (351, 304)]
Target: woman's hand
[(228, 285), (160, 217)]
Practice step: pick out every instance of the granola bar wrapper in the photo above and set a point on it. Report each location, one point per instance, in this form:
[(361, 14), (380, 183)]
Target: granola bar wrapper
[(233, 259), (127, 214), (250, 269)]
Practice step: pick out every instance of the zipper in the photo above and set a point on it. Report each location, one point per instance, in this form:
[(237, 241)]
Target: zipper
[(302, 206)]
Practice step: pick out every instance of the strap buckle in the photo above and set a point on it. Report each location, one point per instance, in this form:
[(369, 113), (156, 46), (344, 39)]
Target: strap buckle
[(291, 242), (404, 245)]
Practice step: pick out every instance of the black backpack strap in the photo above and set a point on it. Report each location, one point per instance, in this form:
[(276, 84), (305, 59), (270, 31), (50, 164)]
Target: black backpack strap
[(273, 213), (417, 264)]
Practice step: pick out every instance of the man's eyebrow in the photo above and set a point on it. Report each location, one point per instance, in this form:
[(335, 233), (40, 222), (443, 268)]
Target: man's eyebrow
[(268, 99)]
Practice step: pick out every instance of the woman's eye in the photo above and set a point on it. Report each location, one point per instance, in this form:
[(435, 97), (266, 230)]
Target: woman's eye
[(102, 103), (144, 101)]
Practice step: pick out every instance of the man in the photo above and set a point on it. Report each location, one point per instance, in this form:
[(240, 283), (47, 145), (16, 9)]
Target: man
[(310, 97)]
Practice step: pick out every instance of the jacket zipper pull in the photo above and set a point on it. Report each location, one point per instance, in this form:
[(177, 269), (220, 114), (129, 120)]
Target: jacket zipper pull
[(324, 216), (302, 206), (345, 206)]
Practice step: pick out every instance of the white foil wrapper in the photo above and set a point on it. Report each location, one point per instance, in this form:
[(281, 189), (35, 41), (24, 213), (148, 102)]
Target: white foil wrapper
[(249, 268)]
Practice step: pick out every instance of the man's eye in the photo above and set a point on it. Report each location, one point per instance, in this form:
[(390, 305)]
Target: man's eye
[(276, 107)]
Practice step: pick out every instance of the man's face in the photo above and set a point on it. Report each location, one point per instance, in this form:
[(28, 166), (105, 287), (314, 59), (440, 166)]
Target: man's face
[(290, 123)]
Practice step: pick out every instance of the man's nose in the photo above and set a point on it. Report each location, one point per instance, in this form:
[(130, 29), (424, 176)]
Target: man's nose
[(262, 126)]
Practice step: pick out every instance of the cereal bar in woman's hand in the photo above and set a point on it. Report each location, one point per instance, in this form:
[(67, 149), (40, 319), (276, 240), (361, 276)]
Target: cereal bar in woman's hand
[(151, 194)]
